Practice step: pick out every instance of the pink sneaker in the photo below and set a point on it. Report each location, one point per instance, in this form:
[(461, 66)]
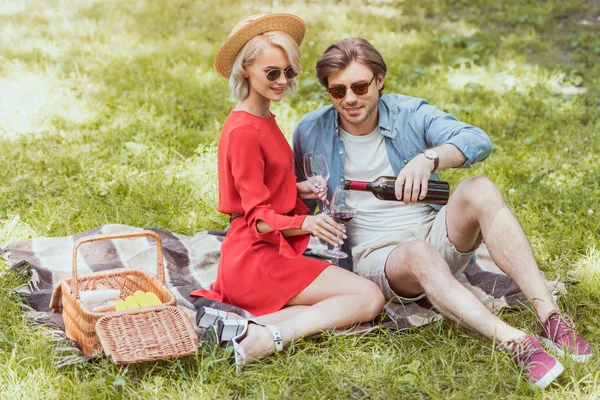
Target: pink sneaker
[(559, 333), (539, 367)]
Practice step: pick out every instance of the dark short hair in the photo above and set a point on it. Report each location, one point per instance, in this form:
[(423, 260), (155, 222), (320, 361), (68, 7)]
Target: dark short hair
[(341, 54)]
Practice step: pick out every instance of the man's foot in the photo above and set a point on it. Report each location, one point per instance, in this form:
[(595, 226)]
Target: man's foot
[(559, 333), (538, 367)]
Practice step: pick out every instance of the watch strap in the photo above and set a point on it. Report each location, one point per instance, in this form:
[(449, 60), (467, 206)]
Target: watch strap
[(436, 160)]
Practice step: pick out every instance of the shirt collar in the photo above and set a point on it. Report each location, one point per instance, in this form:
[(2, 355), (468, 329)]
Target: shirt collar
[(384, 120)]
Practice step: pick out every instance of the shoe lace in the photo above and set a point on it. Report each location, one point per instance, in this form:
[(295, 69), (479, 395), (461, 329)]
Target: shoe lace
[(564, 326), (522, 349)]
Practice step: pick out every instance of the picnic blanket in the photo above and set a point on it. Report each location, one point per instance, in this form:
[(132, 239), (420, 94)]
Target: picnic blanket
[(191, 262)]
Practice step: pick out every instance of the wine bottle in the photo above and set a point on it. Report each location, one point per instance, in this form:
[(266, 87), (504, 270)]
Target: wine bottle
[(384, 188)]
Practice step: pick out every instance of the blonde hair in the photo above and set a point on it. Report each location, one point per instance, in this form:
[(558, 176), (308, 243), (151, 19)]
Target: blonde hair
[(238, 84)]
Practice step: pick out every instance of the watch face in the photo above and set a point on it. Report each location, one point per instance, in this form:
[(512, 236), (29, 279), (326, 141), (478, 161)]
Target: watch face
[(431, 154)]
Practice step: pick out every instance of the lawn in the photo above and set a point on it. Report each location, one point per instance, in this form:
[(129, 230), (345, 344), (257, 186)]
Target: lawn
[(110, 112)]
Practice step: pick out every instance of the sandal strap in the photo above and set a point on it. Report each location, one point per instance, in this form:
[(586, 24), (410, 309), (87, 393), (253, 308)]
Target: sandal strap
[(206, 316), (277, 338)]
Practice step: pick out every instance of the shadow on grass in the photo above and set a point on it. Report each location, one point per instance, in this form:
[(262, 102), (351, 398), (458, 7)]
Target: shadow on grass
[(118, 108), (143, 74)]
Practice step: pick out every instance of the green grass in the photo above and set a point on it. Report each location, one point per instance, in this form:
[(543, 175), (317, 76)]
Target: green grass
[(110, 111)]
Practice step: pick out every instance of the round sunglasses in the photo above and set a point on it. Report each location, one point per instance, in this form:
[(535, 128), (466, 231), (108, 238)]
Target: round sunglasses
[(359, 88), (274, 74)]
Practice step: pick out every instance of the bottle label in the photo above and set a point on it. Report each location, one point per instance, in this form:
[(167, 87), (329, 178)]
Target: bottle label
[(357, 185)]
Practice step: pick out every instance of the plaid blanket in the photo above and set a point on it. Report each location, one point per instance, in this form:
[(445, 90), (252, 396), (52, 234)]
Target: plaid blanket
[(191, 262)]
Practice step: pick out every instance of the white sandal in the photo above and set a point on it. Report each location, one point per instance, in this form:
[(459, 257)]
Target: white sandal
[(220, 330), (227, 329), (239, 354), (207, 317)]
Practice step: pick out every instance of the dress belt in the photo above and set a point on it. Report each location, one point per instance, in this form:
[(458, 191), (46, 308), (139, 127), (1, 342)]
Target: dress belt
[(235, 215)]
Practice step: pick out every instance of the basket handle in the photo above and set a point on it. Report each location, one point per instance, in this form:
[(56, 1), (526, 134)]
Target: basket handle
[(160, 268)]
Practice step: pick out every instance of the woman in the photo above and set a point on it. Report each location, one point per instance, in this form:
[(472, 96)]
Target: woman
[(262, 269)]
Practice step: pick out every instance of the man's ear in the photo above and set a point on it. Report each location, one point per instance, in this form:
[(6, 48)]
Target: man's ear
[(380, 83)]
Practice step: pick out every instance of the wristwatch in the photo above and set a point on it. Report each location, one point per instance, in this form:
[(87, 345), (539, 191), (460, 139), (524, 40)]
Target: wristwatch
[(432, 155)]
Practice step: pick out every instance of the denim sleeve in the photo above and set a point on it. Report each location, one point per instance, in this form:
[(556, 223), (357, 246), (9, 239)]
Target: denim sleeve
[(441, 128), (299, 164), (298, 155)]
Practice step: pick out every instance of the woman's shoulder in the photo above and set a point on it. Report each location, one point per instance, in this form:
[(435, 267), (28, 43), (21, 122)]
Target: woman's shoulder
[(241, 122), (237, 121), (240, 132)]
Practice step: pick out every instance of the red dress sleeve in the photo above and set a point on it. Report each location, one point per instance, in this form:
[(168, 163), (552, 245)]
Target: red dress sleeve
[(246, 159)]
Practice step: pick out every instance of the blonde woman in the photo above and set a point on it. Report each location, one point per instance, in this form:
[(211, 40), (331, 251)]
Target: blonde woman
[(262, 269)]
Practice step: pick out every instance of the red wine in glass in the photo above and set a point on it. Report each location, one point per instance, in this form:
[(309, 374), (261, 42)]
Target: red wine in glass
[(343, 217), (343, 209)]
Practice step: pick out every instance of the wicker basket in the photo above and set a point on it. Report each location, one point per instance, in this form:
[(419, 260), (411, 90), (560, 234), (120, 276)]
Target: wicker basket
[(147, 334), (80, 322)]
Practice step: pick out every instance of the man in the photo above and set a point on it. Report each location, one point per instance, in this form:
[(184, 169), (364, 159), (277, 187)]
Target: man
[(413, 250)]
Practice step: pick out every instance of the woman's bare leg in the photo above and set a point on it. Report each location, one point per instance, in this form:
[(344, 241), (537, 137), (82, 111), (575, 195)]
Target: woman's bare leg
[(335, 299), (281, 315)]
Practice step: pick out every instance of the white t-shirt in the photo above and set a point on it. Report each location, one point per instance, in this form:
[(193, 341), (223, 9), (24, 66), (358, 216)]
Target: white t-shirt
[(366, 159)]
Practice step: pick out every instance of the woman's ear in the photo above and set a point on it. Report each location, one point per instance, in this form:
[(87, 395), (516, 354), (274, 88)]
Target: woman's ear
[(244, 73)]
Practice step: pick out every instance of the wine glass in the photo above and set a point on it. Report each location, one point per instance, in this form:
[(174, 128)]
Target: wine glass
[(343, 209), (317, 173)]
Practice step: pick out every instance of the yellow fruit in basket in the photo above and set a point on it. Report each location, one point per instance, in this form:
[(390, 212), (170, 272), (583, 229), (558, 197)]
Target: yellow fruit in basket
[(120, 305), (131, 302), (147, 299), (140, 297), (153, 299)]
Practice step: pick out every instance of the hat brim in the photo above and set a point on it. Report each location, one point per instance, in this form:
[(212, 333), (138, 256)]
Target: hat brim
[(288, 23)]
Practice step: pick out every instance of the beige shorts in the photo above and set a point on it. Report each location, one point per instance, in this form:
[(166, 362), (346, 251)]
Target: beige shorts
[(370, 258)]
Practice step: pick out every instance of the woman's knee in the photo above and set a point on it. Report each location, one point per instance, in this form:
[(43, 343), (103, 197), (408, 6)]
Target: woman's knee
[(373, 299)]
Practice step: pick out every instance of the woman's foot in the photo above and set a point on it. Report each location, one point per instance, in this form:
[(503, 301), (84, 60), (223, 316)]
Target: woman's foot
[(255, 342), (258, 343)]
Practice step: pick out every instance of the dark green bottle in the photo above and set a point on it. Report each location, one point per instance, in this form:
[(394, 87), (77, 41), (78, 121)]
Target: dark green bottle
[(438, 192)]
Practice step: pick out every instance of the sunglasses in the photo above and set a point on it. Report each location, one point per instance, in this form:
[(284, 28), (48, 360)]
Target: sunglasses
[(274, 74), (360, 88)]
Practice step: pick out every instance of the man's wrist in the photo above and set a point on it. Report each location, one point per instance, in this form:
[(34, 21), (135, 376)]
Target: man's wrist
[(431, 162), (433, 156)]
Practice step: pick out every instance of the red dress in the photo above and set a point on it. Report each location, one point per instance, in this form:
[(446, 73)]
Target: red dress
[(259, 272)]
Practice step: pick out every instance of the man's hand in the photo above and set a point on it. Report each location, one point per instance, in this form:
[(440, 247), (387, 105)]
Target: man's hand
[(307, 190), (411, 184), (324, 227)]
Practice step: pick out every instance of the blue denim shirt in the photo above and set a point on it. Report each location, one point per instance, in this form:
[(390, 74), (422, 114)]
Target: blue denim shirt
[(409, 125)]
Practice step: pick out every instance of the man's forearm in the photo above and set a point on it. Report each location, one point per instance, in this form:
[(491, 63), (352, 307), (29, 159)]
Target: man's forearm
[(450, 156)]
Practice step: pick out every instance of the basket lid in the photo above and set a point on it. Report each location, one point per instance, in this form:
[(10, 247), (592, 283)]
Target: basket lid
[(146, 334)]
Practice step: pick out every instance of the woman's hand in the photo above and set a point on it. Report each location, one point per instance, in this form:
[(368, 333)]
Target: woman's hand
[(324, 227), (307, 190)]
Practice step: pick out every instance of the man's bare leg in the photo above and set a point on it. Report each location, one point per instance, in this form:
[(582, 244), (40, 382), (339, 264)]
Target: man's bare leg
[(417, 267), (476, 208)]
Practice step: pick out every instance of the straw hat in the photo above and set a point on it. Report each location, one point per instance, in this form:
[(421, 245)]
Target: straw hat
[(252, 26)]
